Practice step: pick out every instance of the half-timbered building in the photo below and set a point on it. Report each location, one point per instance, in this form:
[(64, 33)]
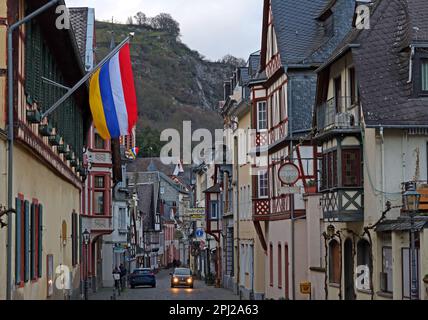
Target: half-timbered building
[(370, 123), (297, 38)]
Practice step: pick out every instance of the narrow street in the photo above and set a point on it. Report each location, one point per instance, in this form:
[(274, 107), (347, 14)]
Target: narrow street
[(163, 291)]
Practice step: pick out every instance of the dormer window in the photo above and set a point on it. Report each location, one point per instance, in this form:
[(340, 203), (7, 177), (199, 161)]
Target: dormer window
[(329, 26), (424, 76), (326, 19), (419, 77)]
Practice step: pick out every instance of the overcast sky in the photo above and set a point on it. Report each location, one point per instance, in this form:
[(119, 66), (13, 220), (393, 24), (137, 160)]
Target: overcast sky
[(213, 27)]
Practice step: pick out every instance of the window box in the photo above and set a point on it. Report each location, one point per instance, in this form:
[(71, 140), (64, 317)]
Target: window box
[(69, 155), (55, 140), (34, 116), (45, 130), (73, 163), (62, 148)]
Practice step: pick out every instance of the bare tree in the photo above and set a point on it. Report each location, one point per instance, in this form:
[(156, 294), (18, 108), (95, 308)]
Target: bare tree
[(130, 21), (164, 21), (140, 18), (233, 61)]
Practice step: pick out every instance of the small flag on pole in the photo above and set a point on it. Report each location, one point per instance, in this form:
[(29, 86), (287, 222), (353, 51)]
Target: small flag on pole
[(112, 96), (132, 153)]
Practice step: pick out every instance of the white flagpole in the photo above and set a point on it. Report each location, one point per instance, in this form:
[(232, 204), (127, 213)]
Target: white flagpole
[(87, 76)]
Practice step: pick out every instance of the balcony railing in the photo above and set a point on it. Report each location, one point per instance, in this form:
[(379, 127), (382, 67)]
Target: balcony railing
[(343, 204), (278, 132), (338, 113), (261, 209)]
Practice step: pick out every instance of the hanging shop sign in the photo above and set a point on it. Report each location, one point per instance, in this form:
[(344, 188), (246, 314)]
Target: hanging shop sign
[(288, 173)]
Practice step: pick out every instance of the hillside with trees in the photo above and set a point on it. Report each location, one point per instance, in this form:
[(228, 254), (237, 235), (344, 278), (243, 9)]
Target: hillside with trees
[(173, 82)]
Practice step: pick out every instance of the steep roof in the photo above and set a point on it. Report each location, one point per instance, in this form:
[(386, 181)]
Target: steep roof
[(145, 198), (383, 62), (300, 34), (150, 164), (79, 23), (254, 64)]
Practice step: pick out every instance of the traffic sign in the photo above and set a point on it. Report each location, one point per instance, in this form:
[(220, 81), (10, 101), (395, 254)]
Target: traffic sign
[(199, 233)]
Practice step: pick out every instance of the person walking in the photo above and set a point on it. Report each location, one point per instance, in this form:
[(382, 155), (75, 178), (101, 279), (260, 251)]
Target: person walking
[(116, 277), (123, 274)]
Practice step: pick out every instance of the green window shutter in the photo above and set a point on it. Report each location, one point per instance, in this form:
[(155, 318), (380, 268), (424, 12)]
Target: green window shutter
[(18, 216), (26, 240), (33, 242), (40, 242), (73, 238), (28, 61)]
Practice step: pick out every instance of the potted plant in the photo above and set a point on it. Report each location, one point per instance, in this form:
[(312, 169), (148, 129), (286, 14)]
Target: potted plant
[(34, 116), (311, 186), (55, 140), (45, 130), (62, 148)]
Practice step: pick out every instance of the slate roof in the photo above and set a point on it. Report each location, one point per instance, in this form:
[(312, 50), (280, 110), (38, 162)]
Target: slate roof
[(145, 198), (402, 224), (79, 24), (301, 37), (254, 64), (214, 189), (150, 164), (244, 76), (383, 64)]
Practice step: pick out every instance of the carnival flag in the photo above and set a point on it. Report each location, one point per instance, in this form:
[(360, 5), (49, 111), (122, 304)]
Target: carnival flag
[(112, 96)]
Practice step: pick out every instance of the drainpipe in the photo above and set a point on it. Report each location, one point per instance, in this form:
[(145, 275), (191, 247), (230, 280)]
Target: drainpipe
[(238, 240), (293, 251), (383, 163), (10, 137)]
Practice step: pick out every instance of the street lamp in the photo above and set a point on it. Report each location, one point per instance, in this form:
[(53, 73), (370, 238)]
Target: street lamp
[(86, 238), (411, 200)]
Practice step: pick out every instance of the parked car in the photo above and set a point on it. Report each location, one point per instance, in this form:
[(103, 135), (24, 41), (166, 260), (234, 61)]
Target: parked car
[(182, 277), (142, 277)]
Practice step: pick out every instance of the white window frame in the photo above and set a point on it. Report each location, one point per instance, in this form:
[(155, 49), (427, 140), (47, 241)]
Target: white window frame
[(260, 177), (122, 218), (216, 216), (260, 103)]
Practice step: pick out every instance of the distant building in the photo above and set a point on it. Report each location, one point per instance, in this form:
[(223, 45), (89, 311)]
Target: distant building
[(162, 197), (245, 273)]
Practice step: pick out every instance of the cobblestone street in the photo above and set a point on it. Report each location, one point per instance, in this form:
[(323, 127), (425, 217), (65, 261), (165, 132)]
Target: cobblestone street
[(163, 291)]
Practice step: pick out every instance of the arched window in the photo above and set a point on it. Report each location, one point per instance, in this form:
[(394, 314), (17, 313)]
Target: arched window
[(363, 253), (334, 262)]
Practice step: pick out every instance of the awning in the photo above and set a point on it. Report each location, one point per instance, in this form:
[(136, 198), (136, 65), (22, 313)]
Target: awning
[(402, 224)]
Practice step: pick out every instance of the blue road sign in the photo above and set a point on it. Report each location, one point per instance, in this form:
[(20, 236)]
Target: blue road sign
[(200, 233)]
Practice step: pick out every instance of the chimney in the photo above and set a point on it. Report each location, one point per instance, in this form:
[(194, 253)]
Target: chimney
[(227, 89)]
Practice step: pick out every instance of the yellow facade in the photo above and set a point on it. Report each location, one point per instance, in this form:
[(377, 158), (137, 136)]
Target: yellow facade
[(254, 275), (34, 179)]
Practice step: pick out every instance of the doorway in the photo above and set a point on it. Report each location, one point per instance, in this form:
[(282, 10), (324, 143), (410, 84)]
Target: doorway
[(349, 270)]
